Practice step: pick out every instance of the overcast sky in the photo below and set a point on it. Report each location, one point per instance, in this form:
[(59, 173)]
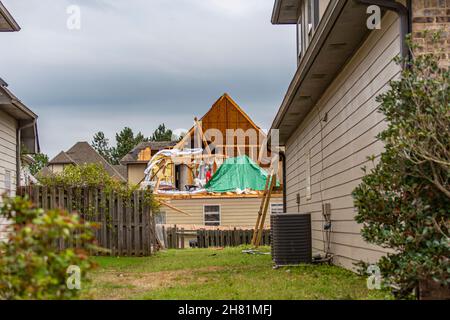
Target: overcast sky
[(139, 63)]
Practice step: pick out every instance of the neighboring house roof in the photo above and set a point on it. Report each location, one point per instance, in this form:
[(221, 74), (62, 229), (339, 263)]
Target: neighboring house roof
[(7, 22), (62, 158), (122, 170), (132, 156), (45, 172), (26, 118), (83, 153)]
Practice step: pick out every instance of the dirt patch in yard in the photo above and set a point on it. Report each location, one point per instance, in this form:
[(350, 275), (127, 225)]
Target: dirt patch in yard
[(115, 285)]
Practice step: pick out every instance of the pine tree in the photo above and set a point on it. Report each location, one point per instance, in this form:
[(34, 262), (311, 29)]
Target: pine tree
[(162, 134), (125, 142), (101, 144)]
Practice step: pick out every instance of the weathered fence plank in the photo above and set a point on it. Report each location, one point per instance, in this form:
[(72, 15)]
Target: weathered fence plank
[(175, 238), (126, 226)]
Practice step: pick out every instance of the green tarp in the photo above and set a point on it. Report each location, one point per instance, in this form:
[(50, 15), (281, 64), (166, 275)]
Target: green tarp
[(238, 173)]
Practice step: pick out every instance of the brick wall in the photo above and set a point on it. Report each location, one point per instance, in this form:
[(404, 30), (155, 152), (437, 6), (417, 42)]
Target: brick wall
[(431, 15)]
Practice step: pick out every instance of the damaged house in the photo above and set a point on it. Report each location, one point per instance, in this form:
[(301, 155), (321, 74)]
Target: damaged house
[(216, 175), (137, 159)]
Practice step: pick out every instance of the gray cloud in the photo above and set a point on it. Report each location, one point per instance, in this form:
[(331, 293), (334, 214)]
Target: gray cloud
[(143, 62)]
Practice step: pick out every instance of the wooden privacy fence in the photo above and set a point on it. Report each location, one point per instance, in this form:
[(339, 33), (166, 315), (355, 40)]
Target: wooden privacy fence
[(127, 226), (175, 238), (229, 238)]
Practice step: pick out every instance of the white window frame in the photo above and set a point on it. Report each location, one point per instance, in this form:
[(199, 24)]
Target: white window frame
[(8, 182), (220, 214)]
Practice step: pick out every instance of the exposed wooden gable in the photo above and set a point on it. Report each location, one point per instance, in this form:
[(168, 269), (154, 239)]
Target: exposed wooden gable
[(225, 114)]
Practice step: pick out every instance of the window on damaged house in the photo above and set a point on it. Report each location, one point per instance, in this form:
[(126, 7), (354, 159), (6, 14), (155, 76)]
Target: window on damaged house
[(276, 208), (211, 215)]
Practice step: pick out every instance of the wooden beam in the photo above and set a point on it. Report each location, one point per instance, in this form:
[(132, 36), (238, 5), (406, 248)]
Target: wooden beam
[(199, 126), (260, 211), (266, 207), (173, 208), (163, 165), (158, 182)]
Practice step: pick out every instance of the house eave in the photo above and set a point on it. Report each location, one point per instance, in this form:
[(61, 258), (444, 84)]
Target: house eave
[(285, 11), (14, 107), (26, 119), (9, 24), (338, 35)]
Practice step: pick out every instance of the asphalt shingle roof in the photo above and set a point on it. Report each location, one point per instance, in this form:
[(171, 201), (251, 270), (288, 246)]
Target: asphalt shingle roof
[(83, 153), (132, 156)]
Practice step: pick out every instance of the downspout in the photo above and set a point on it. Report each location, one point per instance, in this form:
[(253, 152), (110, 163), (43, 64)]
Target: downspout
[(19, 150), (402, 12), (282, 155), (283, 163)]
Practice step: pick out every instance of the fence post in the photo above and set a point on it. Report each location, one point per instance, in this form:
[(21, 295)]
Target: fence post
[(175, 237), (136, 246), (128, 211), (182, 238), (164, 236)]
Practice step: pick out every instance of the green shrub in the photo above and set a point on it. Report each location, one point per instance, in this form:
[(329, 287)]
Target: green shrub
[(87, 175), (94, 176), (31, 266), (404, 202)]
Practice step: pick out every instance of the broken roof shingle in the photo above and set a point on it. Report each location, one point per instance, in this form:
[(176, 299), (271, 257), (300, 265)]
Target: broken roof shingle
[(132, 156)]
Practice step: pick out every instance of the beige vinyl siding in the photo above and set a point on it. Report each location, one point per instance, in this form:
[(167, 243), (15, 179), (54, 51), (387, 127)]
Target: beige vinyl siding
[(340, 146), (136, 172), (234, 212), (8, 126), (56, 168)]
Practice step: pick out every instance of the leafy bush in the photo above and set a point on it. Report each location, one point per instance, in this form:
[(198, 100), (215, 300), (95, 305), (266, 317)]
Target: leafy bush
[(31, 266), (404, 202), (87, 175), (94, 176)]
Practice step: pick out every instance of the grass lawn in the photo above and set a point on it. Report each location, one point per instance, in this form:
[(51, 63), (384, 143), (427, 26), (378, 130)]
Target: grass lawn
[(220, 274)]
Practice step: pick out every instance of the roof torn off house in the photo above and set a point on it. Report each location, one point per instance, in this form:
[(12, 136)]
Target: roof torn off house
[(216, 175), (222, 153)]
